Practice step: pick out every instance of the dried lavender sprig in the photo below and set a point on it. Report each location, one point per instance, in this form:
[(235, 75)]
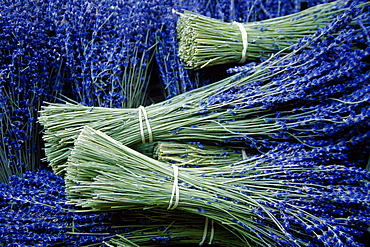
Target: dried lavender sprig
[(204, 41), (283, 197)]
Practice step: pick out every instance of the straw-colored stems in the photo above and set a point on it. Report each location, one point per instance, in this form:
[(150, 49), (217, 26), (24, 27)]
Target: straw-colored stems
[(205, 41), (103, 175), (171, 228), (191, 154), (179, 118)]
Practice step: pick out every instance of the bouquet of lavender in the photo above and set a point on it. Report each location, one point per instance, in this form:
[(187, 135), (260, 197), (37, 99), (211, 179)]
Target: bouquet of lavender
[(205, 41), (288, 196), (307, 95), (174, 77)]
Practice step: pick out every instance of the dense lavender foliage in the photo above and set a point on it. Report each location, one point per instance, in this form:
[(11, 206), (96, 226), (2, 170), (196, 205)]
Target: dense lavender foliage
[(87, 51), (33, 212), (248, 11), (108, 48), (30, 73)]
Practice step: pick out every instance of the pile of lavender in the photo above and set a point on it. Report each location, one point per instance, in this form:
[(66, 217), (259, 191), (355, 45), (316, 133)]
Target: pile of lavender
[(271, 152), (316, 94), (107, 57), (33, 212), (30, 72)]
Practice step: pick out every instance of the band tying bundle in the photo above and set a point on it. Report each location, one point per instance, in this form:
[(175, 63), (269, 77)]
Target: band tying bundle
[(244, 39), (175, 188), (244, 154), (142, 112), (206, 230)]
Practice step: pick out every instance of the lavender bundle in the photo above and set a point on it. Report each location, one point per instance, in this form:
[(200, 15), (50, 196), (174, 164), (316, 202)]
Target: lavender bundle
[(282, 98), (175, 78), (205, 41), (288, 196), (33, 211)]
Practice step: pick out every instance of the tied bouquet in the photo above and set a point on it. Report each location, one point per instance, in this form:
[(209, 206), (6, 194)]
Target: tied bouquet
[(290, 195), (205, 41)]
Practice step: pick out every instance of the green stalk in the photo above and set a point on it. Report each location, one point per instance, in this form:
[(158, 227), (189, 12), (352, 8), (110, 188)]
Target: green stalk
[(63, 122), (186, 117), (205, 41), (190, 154), (169, 228), (104, 175)]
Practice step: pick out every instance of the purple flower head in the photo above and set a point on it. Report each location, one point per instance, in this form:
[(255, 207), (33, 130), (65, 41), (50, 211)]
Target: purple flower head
[(34, 212)]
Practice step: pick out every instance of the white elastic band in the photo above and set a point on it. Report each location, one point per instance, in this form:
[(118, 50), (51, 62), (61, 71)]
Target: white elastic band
[(175, 188), (212, 232), (142, 112), (244, 154), (206, 230), (245, 41)]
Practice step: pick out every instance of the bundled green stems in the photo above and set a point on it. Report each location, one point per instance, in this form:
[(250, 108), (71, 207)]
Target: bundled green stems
[(205, 41), (197, 154), (159, 227), (104, 175), (180, 118)]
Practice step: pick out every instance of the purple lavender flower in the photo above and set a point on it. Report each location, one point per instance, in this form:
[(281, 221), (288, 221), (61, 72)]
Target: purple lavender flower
[(30, 72), (323, 203), (108, 50), (33, 211)]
